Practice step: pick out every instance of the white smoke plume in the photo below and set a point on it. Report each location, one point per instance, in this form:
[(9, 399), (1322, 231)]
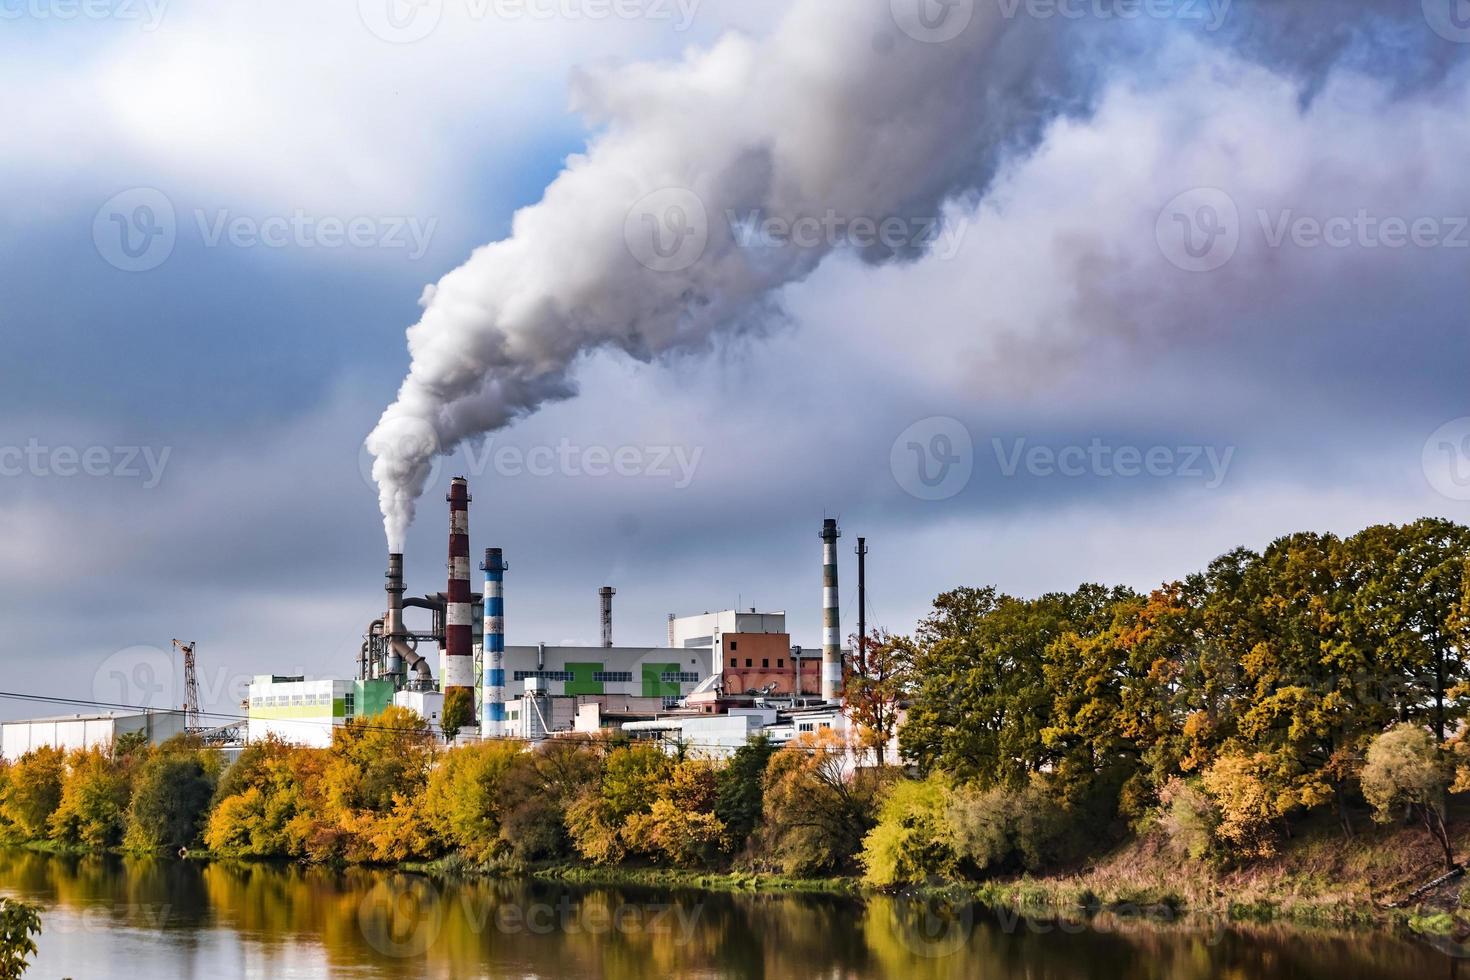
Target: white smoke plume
[(865, 111), (840, 112)]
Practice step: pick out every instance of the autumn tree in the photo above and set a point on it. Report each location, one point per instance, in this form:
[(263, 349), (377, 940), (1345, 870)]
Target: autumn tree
[(876, 688), (33, 791), (817, 809), (1406, 768), (94, 800)]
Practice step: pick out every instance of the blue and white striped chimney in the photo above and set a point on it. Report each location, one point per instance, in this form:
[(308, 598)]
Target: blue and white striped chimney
[(493, 713)]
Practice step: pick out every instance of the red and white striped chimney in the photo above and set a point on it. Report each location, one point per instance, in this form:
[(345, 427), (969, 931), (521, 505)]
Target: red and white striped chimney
[(459, 659)]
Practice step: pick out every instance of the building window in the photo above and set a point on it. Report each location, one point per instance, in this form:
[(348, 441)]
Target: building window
[(680, 677), (733, 644), (780, 663), (349, 705), (733, 662), (805, 726), (613, 676), (671, 701), (766, 663), (546, 675), (826, 724)]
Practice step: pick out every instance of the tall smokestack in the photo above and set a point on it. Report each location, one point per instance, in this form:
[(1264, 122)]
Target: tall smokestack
[(459, 662), (492, 715), (831, 615), (606, 593), (400, 654)]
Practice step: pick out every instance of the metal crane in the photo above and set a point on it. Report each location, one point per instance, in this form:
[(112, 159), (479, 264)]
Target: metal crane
[(191, 686)]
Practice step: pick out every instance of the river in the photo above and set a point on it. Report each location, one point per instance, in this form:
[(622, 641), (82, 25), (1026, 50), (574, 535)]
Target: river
[(109, 916)]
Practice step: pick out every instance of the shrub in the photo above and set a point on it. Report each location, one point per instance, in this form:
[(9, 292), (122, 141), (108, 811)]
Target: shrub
[(913, 839), (34, 791), (1189, 818)]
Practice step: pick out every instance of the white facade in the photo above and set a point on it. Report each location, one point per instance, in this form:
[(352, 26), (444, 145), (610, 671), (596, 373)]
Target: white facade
[(428, 704), (85, 731)]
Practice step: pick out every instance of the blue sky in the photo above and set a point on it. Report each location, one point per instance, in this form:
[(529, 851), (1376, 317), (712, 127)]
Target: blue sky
[(1300, 384)]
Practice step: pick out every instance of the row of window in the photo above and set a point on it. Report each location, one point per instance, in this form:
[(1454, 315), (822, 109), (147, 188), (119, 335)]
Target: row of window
[(680, 677), (806, 726), (613, 676), (289, 700), (608, 676), (765, 662), (546, 675)]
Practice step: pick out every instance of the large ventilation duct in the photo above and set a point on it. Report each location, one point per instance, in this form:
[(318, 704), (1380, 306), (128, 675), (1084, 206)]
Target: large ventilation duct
[(459, 659), (831, 615), (401, 656), (493, 712)]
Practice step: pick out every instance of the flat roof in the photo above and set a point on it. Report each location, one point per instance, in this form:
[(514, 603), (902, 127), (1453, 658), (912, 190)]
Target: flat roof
[(96, 716)]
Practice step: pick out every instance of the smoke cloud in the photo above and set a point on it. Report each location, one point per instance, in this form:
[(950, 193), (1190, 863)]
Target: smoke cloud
[(855, 122)]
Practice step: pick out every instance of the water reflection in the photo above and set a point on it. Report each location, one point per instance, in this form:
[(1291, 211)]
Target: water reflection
[(172, 918)]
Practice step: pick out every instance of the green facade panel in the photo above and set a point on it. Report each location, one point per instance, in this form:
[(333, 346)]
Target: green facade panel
[(653, 684), (583, 681)]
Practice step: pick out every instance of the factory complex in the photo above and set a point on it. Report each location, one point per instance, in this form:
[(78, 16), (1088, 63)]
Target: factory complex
[(722, 677)]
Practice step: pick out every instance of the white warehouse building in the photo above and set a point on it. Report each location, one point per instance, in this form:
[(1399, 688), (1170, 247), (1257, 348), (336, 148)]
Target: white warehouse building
[(86, 731)]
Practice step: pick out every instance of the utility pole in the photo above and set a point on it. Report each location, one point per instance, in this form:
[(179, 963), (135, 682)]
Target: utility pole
[(862, 555)]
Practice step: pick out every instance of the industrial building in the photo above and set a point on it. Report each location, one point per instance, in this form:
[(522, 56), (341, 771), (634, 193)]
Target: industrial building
[(723, 676), (87, 731)]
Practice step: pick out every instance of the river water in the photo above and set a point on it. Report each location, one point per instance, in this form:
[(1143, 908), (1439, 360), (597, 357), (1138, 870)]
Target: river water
[(107, 916)]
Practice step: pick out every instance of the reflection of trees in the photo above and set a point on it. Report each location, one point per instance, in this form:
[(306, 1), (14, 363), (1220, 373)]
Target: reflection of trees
[(286, 916)]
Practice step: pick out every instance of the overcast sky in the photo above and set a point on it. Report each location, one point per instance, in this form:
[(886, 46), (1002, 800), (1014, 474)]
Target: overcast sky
[(1209, 290)]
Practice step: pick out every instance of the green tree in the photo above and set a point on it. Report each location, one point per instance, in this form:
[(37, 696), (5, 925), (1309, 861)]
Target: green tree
[(19, 922), (912, 840), (817, 809), (1406, 768), (741, 791), (459, 711), (171, 800)]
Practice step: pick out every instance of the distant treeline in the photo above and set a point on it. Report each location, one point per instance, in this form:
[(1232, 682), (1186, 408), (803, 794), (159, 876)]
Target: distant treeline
[(1323, 674)]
